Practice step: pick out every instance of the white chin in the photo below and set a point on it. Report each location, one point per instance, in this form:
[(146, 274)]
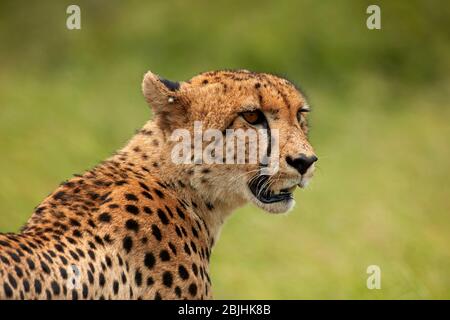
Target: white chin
[(276, 207)]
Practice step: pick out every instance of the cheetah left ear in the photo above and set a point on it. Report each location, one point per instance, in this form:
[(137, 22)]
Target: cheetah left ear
[(159, 92), (166, 99)]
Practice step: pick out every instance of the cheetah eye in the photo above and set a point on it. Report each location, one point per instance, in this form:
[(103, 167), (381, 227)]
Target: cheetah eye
[(299, 114), (253, 117)]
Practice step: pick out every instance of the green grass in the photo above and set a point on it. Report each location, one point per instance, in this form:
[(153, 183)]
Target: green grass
[(379, 125)]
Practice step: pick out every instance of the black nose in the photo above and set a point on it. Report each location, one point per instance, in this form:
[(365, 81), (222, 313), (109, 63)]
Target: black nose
[(301, 163)]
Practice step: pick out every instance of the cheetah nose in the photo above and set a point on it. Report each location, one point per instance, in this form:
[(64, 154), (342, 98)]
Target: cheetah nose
[(302, 163)]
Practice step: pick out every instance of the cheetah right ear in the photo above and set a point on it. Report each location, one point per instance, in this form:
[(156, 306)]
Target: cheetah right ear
[(159, 92)]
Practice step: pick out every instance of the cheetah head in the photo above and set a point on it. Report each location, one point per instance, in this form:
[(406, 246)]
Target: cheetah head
[(226, 101)]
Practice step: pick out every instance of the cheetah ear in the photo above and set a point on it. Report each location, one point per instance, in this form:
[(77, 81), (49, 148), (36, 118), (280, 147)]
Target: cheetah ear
[(166, 99), (159, 92)]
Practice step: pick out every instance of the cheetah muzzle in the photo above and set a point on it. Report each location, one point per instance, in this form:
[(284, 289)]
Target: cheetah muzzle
[(141, 226)]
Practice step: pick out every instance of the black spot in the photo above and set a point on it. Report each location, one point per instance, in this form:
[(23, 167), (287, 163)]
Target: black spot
[(150, 281), (127, 243), (171, 85), (26, 285), (107, 238), (14, 256), (85, 291), (74, 255), (55, 288), (98, 240), (90, 277), (147, 210), (108, 261), (19, 271), (30, 264), (184, 231), (80, 252), (24, 247), (101, 280), (194, 232), (59, 195), (156, 232), (163, 217), (192, 289), (74, 222), (63, 260), (91, 254), (169, 211), (45, 267), (144, 186), (173, 248), (180, 213), (47, 257), (138, 278), (4, 260), (131, 197), (12, 281), (91, 223), (149, 260), (104, 217), (164, 255), (159, 193), (194, 247), (187, 249), (132, 209), (183, 272), (178, 291), (147, 195), (116, 287), (63, 273), (74, 294), (167, 279), (178, 231), (37, 287), (195, 269), (132, 224), (8, 290)]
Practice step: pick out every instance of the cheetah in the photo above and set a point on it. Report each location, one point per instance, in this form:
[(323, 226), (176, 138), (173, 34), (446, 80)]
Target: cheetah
[(139, 226)]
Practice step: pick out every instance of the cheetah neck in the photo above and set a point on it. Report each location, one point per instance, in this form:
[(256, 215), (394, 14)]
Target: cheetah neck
[(150, 149)]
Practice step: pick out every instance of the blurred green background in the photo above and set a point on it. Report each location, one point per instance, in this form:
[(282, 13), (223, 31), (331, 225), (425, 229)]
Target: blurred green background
[(380, 126)]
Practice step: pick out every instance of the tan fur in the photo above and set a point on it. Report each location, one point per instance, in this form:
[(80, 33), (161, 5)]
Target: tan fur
[(104, 221)]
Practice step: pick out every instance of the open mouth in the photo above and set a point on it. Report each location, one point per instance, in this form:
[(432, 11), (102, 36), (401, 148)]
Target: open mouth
[(258, 187)]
